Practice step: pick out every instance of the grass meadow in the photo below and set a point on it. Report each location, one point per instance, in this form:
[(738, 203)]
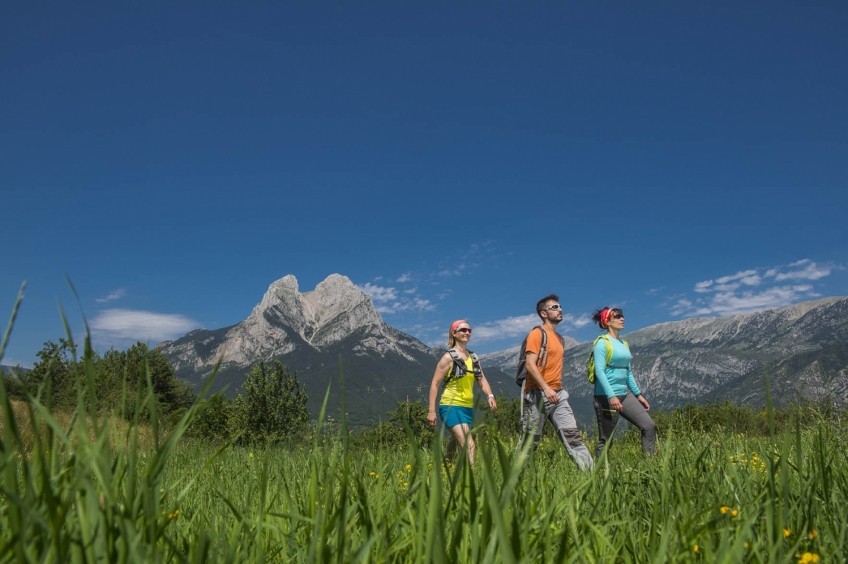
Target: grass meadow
[(79, 489)]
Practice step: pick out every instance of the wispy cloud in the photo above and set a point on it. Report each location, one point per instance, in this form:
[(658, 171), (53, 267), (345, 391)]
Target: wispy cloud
[(753, 289), (112, 296), (120, 326), (401, 293), (388, 299), (461, 263), (517, 327)]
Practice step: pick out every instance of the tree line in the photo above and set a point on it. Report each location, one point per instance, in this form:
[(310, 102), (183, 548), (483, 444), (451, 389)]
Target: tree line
[(271, 405)]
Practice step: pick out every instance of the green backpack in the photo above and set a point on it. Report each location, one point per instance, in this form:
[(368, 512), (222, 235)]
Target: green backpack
[(590, 363)]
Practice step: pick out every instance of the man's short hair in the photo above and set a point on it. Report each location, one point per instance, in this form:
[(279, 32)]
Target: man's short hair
[(540, 305)]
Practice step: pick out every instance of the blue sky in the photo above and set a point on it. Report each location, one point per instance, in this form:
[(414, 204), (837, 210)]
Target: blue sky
[(455, 160)]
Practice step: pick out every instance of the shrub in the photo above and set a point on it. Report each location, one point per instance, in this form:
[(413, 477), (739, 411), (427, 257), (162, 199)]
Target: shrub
[(271, 406)]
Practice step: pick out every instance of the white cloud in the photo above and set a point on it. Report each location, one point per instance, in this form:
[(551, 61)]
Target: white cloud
[(753, 290), (386, 299), (511, 327), (117, 326), (729, 283), (379, 294), (404, 278), (727, 303), (112, 296), (516, 328), (804, 270)]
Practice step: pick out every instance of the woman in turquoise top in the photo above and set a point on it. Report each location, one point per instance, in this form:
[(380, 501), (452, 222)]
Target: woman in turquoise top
[(458, 369), (616, 390)]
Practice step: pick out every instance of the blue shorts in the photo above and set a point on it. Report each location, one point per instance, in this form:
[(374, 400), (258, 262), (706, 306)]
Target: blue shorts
[(453, 415)]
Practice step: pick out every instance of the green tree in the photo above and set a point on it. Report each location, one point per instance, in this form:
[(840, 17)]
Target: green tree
[(55, 374), (271, 406), (212, 421)]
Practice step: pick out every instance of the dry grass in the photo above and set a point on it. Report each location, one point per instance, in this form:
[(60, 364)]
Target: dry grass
[(118, 428)]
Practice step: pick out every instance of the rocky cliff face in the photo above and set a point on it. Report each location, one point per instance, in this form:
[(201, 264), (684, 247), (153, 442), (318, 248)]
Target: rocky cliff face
[(286, 320)]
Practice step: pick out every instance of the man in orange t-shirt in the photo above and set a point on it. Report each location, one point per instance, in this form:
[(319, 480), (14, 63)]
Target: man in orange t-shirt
[(543, 395)]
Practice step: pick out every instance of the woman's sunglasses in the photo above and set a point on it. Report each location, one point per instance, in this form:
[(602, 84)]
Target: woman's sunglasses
[(463, 330)]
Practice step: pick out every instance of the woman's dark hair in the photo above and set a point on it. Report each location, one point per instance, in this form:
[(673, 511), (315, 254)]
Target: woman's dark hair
[(601, 316)]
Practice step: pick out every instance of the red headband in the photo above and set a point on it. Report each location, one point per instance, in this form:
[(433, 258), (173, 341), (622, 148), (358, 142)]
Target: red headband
[(456, 324), (605, 315)]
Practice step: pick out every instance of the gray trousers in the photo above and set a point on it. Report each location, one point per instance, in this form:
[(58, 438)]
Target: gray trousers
[(537, 409), (633, 412)]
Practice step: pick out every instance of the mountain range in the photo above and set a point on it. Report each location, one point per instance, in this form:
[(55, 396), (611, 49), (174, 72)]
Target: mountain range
[(333, 338)]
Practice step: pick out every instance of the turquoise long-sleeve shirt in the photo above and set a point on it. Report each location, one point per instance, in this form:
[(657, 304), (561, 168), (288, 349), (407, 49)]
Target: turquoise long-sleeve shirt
[(615, 378)]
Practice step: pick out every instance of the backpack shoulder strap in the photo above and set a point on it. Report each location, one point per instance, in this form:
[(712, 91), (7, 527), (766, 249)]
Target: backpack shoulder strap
[(454, 371), (543, 348), (475, 363), (609, 347)]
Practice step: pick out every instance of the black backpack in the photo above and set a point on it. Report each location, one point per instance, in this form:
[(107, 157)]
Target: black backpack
[(521, 373), (458, 370)]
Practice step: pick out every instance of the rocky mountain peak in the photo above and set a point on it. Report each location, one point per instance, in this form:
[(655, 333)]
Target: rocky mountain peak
[(286, 319)]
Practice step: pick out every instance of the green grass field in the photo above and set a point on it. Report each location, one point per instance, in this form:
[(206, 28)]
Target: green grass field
[(72, 492)]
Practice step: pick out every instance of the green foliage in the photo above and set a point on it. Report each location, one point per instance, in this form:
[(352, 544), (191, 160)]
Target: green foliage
[(212, 422), (119, 376), (719, 417), (407, 420), (56, 374), (271, 406)]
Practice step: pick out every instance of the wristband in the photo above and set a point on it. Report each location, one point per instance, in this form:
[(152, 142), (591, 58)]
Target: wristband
[(491, 396)]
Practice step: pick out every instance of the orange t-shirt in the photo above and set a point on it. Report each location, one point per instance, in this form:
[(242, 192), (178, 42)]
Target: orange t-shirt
[(552, 371)]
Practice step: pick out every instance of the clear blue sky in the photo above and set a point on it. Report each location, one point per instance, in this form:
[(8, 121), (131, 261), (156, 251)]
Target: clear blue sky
[(453, 159)]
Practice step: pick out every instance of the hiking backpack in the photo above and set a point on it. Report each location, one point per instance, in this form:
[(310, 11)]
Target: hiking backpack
[(590, 362), (521, 372), (458, 368)]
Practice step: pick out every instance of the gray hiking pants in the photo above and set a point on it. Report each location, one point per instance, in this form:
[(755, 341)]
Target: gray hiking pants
[(537, 409), (633, 412)]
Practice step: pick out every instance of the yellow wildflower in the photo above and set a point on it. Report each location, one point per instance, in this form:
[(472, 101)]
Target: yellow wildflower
[(695, 548), (724, 509), (812, 534), (734, 512), (409, 467), (809, 557), (787, 533)]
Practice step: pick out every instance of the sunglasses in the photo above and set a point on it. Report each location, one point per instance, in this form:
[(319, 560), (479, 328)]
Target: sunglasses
[(616, 315), (555, 307), (463, 330)]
